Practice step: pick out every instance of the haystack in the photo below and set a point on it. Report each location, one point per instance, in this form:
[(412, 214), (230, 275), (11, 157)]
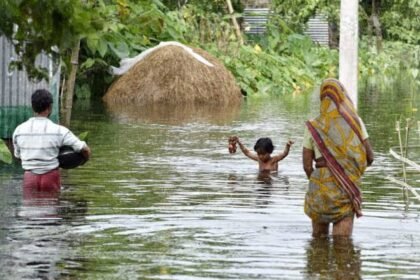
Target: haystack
[(171, 75)]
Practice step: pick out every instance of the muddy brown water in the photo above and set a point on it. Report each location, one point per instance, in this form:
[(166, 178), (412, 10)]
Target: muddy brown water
[(163, 199)]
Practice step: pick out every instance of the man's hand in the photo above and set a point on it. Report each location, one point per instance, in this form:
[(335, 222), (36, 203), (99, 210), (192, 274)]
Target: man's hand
[(86, 152)]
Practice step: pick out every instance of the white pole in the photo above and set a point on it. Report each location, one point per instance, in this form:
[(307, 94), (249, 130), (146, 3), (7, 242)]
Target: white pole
[(349, 39)]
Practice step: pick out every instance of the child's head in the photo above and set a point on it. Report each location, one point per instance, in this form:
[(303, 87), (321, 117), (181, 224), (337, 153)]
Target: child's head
[(264, 146)]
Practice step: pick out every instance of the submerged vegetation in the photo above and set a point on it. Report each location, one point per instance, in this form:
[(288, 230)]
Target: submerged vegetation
[(282, 61)]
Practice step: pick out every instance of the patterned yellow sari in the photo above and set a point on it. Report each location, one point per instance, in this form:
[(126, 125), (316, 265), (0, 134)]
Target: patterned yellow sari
[(334, 192)]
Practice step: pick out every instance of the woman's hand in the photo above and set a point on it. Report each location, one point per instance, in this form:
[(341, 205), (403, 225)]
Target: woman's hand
[(308, 156)]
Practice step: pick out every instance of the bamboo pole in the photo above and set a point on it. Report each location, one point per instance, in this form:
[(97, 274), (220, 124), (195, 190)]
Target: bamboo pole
[(407, 132), (418, 129), (68, 102), (405, 186), (404, 159), (235, 22), (398, 128)]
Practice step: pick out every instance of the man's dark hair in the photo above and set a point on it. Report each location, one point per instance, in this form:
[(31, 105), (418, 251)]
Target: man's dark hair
[(264, 145), (41, 100)]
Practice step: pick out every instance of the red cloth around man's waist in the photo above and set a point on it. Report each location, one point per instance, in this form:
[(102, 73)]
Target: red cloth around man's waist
[(48, 182)]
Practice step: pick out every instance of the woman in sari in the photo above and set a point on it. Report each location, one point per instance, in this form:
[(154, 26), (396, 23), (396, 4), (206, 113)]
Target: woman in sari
[(336, 142)]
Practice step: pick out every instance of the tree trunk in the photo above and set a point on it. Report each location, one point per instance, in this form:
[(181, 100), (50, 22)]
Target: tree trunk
[(333, 35), (235, 22), (349, 39), (376, 25), (68, 97)]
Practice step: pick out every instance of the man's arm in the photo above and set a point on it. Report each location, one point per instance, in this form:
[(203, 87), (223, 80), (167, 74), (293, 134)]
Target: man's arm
[(16, 149), (79, 146)]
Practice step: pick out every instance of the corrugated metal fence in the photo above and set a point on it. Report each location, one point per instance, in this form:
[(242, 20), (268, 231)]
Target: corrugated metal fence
[(255, 21), (318, 30), (16, 90)]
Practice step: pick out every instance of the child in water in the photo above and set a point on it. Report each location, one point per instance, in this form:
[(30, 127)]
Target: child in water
[(263, 147)]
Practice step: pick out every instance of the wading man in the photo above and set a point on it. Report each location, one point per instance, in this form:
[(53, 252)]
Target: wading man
[(37, 143)]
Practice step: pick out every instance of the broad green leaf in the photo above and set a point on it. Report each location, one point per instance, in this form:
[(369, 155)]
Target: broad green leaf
[(5, 155), (88, 63), (102, 47), (92, 42), (120, 49), (84, 136)]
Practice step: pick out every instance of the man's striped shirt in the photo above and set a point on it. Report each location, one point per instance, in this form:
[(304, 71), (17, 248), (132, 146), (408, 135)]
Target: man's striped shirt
[(37, 143)]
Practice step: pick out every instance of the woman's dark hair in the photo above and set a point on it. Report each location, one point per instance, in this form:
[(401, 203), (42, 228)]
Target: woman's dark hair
[(41, 100), (264, 145)]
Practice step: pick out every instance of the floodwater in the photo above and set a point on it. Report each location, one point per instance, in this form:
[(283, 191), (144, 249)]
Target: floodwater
[(163, 199)]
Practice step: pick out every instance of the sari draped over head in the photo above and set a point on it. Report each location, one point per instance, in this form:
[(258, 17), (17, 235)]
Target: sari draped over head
[(337, 133)]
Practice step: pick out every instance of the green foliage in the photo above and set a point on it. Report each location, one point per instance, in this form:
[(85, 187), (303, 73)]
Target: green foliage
[(396, 57), (263, 71), (132, 26), (128, 27), (213, 6), (37, 26), (285, 63), (401, 20), (5, 155), (203, 27), (296, 13), (282, 61)]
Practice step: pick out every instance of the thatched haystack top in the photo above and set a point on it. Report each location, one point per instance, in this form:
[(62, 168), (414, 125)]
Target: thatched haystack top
[(171, 75)]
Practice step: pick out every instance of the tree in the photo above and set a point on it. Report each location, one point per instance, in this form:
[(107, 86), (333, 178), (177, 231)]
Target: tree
[(50, 27), (105, 31), (372, 9), (401, 21)]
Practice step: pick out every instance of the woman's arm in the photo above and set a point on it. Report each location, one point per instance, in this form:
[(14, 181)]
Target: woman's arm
[(247, 152), (366, 143), (308, 157), (369, 152)]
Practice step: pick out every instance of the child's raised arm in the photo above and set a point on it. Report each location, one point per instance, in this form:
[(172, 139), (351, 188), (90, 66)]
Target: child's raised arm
[(284, 154), (246, 152)]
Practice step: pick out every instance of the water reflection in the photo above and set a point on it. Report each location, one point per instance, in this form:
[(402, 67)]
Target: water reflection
[(268, 178), (163, 199), (170, 114), (262, 186), (264, 177), (333, 258), (35, 243)]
